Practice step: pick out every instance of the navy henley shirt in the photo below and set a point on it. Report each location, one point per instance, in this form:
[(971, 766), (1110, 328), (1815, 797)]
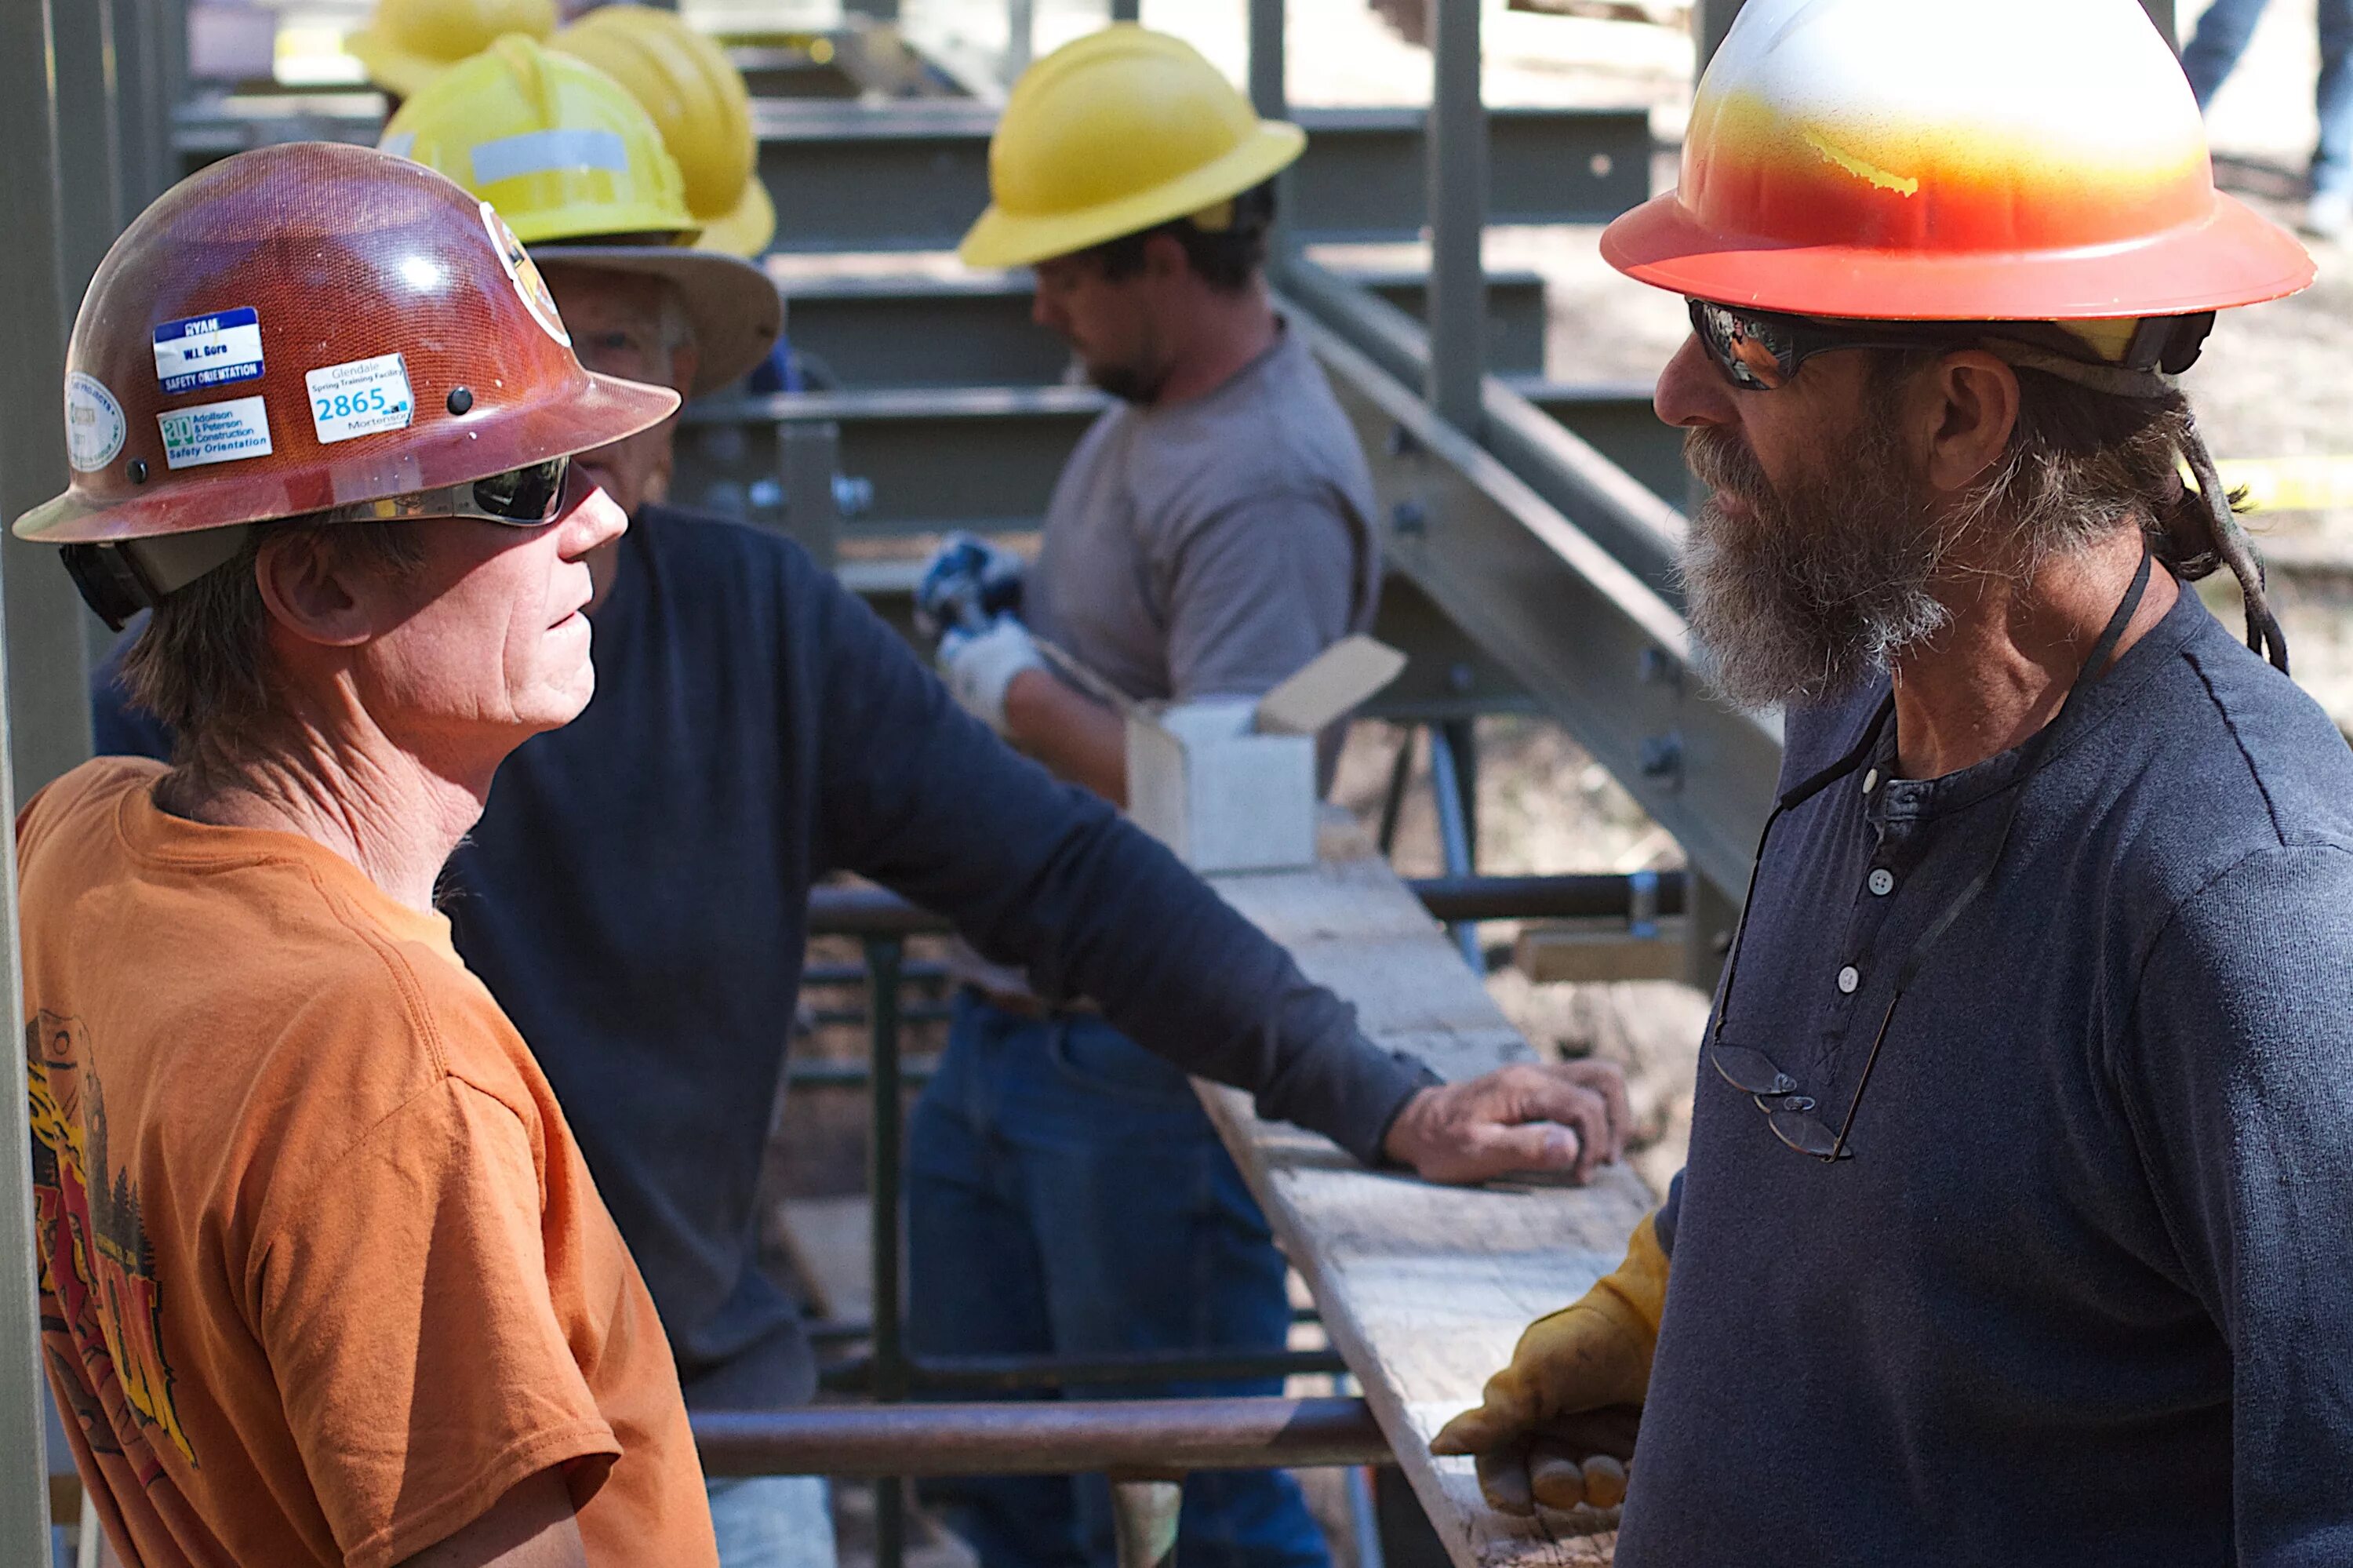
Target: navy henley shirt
[(2084, 1293), (636, 897)]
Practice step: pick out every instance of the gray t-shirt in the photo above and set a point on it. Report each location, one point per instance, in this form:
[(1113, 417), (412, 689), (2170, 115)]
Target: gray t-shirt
[(1210, 548)]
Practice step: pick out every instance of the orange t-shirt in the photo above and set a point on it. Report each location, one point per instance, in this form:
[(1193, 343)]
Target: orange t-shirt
[(322, 1275)]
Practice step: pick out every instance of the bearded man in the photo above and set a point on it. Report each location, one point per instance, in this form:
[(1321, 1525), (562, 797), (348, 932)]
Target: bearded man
[(2021, 1179)]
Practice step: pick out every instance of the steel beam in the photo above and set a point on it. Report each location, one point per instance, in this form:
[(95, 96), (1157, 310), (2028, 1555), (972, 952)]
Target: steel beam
[(861, 333), (1363, 176), (1603, 653), (1456, 149), (1056, 1438), (986, 458), (32, 447), (47, 699)]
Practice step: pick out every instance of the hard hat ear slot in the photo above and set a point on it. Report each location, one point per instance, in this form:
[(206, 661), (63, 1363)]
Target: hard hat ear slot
[(108, 582)]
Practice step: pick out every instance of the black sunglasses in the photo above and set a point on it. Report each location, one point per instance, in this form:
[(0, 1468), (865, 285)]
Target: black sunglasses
[(528, 497), (1760, 351), (1788, 1110)]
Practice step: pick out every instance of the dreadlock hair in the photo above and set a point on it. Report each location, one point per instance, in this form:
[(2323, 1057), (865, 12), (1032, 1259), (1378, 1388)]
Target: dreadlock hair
[(1227, 259), (2081, 461)]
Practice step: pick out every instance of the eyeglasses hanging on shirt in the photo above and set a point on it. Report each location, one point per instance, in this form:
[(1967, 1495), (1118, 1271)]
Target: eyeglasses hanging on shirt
[(1788, 1110)]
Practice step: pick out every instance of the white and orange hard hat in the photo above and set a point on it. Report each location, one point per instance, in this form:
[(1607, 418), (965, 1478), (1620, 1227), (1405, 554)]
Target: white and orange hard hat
[(1952, 160)]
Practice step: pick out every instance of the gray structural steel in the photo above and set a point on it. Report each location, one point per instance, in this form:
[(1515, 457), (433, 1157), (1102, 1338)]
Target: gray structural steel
[(1362, 178), (879, 330), (1456, 171)]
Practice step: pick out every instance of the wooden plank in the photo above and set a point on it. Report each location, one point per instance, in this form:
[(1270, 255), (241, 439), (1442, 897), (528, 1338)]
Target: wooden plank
[(1423, 1288)]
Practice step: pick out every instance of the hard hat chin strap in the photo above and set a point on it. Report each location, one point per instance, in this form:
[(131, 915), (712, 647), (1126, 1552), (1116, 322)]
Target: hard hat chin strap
[(2229, 540)]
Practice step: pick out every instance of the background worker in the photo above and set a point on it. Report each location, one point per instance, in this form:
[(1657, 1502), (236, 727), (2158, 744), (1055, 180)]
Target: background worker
[(1210, 535), (2212, 53), (324, 1279), (2021, 1181), (636, 893)]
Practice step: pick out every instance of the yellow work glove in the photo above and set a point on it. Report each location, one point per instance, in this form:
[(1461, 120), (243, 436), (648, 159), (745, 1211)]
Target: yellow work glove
[(1557, 1425)]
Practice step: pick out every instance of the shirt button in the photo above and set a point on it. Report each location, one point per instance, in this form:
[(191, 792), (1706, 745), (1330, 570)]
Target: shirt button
[(1871, 782), (1850, 977), (1882, 882)]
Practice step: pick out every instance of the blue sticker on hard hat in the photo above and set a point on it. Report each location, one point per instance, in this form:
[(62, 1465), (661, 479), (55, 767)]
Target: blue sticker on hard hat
[(208, 351), (215, 433), (550, 152), (94, 423)]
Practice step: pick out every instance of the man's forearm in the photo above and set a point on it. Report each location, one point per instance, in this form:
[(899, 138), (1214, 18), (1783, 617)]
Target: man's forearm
[(1077, 737)]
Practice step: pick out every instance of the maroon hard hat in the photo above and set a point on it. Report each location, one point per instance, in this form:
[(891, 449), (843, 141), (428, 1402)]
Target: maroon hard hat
[(308, 326)]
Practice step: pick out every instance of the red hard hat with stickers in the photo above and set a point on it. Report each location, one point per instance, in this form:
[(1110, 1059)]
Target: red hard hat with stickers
[(313, 328)]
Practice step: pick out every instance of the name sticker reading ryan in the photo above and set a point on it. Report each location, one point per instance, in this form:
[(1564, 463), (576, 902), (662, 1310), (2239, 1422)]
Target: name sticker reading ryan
[(208, 351), (360, 398), (215, 433)]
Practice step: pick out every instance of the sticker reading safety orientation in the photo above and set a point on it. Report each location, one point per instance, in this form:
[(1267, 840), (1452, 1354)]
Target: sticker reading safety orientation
[(208, 351), (216, 432), (94, 423), (360, 398)]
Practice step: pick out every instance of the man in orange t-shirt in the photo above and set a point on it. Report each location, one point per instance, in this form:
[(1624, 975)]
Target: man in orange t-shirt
[(323, 1277)]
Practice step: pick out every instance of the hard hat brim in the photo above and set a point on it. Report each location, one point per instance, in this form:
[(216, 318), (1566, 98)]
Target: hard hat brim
[(2232, 256), (396, 70), (1001, 239), (734, 307), (605, 411), (747, 229)]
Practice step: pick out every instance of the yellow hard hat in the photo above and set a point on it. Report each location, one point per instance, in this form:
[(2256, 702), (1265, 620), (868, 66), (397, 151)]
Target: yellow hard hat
[(1111, 134), (560, 148), (579, 172), (698, 100), (407, 43)]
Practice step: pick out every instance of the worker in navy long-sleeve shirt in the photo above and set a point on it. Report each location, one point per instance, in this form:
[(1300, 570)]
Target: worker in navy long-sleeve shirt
[(2019, 1197), (636, 893)]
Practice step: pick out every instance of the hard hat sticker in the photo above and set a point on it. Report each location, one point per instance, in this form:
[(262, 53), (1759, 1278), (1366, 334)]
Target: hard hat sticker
[(360, 398), (215, 433), (208, 351), (523, 274), (94, 423)]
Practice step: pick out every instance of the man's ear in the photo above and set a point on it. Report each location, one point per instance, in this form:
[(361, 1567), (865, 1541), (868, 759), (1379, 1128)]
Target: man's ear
[(312, 590), (1967, 407), (1164, 258)]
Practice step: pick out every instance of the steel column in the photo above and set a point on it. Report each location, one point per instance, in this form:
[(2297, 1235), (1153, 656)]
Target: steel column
[(1711, 19), (90, 141), (883, 956), (32, 447), (2161, 12), (1457, 183), (1126, 10), (143, 111)]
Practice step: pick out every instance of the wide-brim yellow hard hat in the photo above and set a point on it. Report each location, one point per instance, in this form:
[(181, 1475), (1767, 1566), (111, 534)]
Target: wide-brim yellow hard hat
[(560, 148), (1114, 132), (746, 228), (407, 43), (732, 305)]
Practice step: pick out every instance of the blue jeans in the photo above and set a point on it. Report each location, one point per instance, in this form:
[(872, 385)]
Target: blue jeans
[(772, 1522), (2222, 38), (1066, 1193)]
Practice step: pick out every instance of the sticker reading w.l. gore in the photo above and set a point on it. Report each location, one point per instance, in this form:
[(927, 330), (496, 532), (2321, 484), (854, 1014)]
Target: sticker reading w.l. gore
[(360, 398), (216, 432), (208, 351)]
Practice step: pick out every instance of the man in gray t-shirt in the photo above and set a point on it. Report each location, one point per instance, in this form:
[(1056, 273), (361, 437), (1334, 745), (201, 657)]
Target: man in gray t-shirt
[(1212, 533)]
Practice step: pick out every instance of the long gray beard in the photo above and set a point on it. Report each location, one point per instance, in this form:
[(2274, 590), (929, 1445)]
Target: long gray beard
[(1823, 585)]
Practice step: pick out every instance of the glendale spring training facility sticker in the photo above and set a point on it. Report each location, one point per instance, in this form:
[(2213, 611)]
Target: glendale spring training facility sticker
[(216, 432), (360, 398), (94, 423), (208, 351)]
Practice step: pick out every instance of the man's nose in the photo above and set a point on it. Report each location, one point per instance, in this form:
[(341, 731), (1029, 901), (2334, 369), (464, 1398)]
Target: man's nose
[(1693, 391), (598, 519)]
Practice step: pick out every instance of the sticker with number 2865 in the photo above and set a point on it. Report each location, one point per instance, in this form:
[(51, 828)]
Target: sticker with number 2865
[(360, 398)]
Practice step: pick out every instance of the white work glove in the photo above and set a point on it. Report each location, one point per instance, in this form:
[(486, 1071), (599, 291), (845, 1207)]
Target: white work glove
[(979, 665)]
